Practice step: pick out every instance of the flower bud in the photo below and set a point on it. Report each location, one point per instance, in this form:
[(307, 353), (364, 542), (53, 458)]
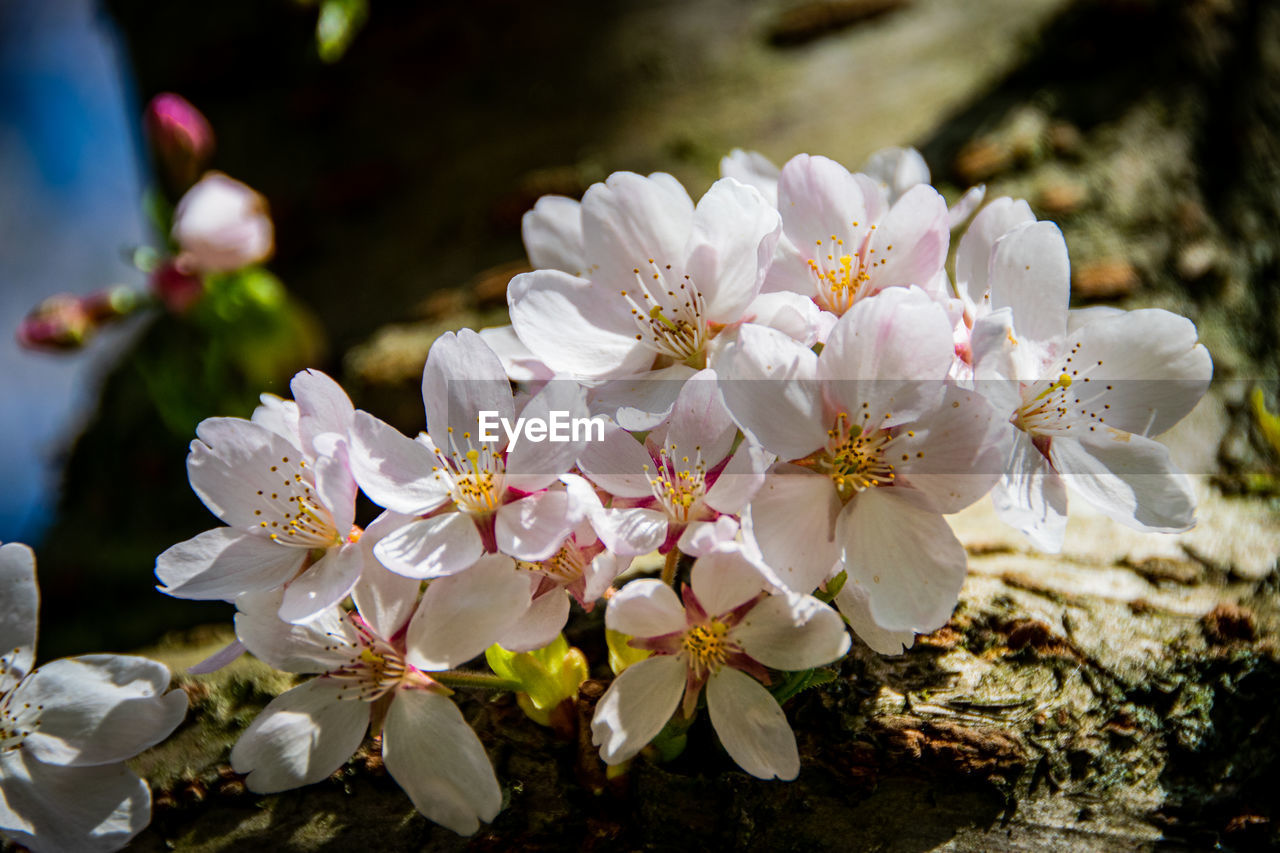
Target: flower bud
[(176, 289), (221, 225), (66, 321), (181, 137), (549, 676)]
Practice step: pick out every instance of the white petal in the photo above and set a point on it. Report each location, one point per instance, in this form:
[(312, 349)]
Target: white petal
[(462, 615), (439, 762), (640, 402), (965, 206), (323, 407), (244, 472), (954, 454), (909, 245), (540, 624), (752, 726), (735, 230), (575, 326), (630, 532), (855, 606), (794, 516), (700, 423), (705, 537), (723, 580), (768, 383), (753, 169), (796, 316), (552, 234), (223, 563), (818, 197), (740, 479), (533, 465), (792, 632), (617, 464), (636, 706), (324, 584), (325, 643), (1031, 497), (99, 709), (518, 360), (394, 471), (19, 606), (301, 737), (1131, 479), (905, 556), (645, 608), (431, 547), (1030, 273), (462, 378), (629, 219), (973, 256), (385, 599), (51, 809), (534, 527), (896, 169), (604, 568), (336, 487), (279, 416)]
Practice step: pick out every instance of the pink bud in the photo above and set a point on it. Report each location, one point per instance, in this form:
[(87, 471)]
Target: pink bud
[(58, 323), (221, 225), (181, 137), (176, 289)]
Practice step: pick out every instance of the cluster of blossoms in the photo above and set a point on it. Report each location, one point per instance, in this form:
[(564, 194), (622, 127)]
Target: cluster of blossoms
[(779, 388)]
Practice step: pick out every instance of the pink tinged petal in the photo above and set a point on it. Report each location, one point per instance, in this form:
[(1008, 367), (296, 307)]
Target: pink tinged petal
[(385, 600), (1129, 478), (19, 606), (1030, 273), (629, 219), (617, 464), (740, 479), (724, 580), (325, 643), (753, 169), (704, 537), (533, 465), (336, 488), (630, 532), (575, 326), (751, 726), (973, 255), (431, 547), (795, 315), (855, 606), (1145, 370), (237, 466), (600, 574), (792, 632), (997, 363), (890, 351), (909, 245), (323, 584), (323, 407), (1031, 496), (462, 378), (533, 528), (224, 657), (394, 471), (735, 230), (279, 416), (301, 737), (439, 762), (700, 422), (964, 208), (552, 234), (896, 169), (462, 615), (52, 809), (540, 624), (645, 608), (769, 387), (518, 360), (641, 402), (99, 709), (906, 557), (1078, 317), (957, 452), (222, 563), (817, 198), (637, 705), (794, 516)]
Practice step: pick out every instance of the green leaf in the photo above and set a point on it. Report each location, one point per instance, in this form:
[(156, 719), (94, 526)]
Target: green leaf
[(337, 26)]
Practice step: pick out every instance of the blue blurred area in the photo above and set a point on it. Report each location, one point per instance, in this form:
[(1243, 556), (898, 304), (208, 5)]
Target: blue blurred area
[(70, 209)]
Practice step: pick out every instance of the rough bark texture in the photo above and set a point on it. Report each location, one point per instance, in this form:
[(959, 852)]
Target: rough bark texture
[(1118, 696)]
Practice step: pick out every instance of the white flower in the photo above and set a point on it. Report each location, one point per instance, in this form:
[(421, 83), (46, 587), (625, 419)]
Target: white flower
[(636, 277), (723, 636), (373, 667), (282, 485), (1084, 391), (221, 225), (67, 728), (879, 448)]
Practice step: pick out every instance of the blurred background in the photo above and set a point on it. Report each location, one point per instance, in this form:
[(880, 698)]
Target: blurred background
[(398, 142)]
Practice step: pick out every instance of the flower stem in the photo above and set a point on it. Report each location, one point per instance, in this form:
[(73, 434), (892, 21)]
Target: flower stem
[(461, 678), (669, 567)]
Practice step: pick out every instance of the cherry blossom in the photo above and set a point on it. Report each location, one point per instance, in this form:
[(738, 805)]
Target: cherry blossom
[(221, 225), (68, 727), (724, 636), (282, 485)]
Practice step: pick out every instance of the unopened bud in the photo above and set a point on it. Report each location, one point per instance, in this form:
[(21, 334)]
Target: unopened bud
[(176, 289), (181, 137), (58, 323), (221, 225)]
